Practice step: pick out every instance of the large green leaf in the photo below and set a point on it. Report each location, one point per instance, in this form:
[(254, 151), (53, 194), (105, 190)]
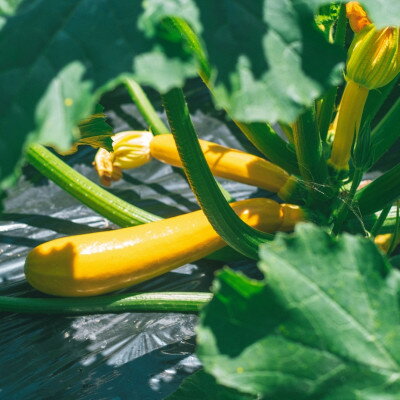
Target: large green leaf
[(325, 324), (57, 59), (268, 60)]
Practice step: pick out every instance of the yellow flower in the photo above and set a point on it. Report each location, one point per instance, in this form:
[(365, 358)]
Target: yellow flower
[(373, 61), (103, 164), (374, 57), (131, 149)]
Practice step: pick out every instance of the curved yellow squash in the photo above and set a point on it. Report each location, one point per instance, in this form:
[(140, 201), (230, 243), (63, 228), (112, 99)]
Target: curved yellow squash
[(96, 263), (226, 163)]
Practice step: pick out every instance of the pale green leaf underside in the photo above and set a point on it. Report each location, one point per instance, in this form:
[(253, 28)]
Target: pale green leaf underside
[(325, 324)]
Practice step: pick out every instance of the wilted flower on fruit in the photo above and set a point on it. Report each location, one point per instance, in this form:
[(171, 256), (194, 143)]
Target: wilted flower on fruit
[(131, 149)]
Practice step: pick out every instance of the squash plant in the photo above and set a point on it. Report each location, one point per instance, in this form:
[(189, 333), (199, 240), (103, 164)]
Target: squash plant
[(324, 323)]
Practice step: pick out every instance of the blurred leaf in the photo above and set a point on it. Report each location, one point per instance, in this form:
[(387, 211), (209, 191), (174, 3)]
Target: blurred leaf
[(326, 18), (325, 324), (202, 386), (8, 7), (288, 64)]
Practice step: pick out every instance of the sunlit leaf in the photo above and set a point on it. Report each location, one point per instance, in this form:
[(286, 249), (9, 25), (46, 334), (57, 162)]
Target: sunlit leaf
[(324, 325)]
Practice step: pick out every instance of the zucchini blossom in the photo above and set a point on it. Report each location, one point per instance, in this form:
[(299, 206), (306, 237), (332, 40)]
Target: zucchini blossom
[(373, 61), (131, 149)]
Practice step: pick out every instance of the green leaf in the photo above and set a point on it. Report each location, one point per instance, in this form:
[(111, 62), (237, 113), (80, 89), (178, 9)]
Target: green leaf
[(268, 58), (325, 324), (327, 17), (202, 386), (60, 57), (383, 12), (8, 7)]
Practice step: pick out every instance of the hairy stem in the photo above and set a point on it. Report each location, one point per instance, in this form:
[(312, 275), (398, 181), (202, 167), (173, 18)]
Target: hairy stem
[(119, 303), (145, 107), (229, 226), (348, 203)]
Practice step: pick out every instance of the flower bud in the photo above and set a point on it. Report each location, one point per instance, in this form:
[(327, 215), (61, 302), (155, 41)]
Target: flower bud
[(374, 57)]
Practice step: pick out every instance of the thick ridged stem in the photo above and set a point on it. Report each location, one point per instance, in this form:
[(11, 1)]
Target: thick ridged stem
[(150, 115), (227, 224), (380, 221), (271, 145), (120, 303), (347, 204), (348, 124), (261, 135), (308, 146), (145, 107), (377, 97), (380, 193)]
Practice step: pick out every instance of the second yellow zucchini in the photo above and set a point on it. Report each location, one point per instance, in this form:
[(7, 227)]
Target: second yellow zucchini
[(97, 263)]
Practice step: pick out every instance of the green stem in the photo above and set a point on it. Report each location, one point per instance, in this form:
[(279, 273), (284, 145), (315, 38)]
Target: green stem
[(261, 135), (308, 146), (329, 100), (380, 221), (145, 107), (385, 134), (270, 144), (151, 117), (86, 191), (380, 193), (119, 303), (377, 98), (229, 226), (347, 204)]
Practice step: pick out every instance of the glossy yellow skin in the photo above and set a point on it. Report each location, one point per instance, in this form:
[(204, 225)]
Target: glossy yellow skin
[(97, 263), (226, 163)]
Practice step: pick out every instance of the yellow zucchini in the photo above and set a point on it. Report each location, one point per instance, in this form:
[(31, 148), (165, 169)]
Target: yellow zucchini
[(225, 162), (135, 148), (97, 263)]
